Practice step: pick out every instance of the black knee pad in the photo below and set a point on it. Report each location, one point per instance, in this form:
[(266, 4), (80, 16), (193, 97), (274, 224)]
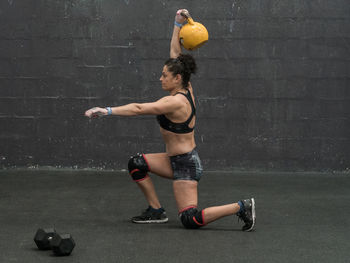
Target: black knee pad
[(138, 167), (192, 218)]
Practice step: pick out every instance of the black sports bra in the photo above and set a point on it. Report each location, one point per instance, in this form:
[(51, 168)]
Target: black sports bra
[(175, 127)]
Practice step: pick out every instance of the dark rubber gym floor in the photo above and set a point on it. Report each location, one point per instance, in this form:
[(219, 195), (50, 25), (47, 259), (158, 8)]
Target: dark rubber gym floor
[(301, 217)]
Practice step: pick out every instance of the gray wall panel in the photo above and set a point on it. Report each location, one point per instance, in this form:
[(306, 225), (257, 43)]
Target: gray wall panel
[(272, 89)]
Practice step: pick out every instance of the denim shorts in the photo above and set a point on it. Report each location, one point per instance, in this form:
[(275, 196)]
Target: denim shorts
[(187, 166)]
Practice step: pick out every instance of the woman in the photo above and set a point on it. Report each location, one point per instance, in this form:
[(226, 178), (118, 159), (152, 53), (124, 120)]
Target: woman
[(180, 163)]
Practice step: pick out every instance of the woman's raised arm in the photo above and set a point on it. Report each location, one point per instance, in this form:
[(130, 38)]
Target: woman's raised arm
[(180, 20)]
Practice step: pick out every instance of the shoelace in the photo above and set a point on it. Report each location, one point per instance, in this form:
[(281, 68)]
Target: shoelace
[(242, 217), (146, 212)]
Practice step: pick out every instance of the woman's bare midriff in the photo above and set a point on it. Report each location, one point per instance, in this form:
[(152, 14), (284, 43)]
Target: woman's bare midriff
[(178, 143)]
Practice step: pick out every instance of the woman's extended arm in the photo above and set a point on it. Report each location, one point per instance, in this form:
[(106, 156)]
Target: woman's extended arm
[(175, 46), (164, 105)]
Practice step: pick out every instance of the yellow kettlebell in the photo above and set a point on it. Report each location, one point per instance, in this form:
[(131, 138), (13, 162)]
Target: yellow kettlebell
[(193, 35)]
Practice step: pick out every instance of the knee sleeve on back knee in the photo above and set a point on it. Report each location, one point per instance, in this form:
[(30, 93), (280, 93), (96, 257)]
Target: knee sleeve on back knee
[(192, 218), (138, 167)]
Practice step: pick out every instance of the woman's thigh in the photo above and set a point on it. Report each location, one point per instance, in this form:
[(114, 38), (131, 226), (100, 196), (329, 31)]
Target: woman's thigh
[(159, 164), (186, 193)]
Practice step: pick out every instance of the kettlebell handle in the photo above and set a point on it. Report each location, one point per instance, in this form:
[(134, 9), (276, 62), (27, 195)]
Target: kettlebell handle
[(184, 14), (189, 19)]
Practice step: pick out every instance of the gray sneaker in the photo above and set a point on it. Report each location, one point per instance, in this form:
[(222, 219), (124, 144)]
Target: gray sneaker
[(248, 214), (151, 215)]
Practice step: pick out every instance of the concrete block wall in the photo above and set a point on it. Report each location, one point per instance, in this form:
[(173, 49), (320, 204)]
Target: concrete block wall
[(272, 88)]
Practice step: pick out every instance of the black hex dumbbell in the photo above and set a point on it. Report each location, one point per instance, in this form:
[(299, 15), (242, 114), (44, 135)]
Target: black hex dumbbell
[(61, 245)]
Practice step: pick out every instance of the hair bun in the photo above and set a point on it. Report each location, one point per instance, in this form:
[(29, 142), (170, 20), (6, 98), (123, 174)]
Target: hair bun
[(189, 62)]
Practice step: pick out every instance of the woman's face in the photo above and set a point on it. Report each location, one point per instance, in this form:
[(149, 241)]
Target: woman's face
[(169, 81)]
